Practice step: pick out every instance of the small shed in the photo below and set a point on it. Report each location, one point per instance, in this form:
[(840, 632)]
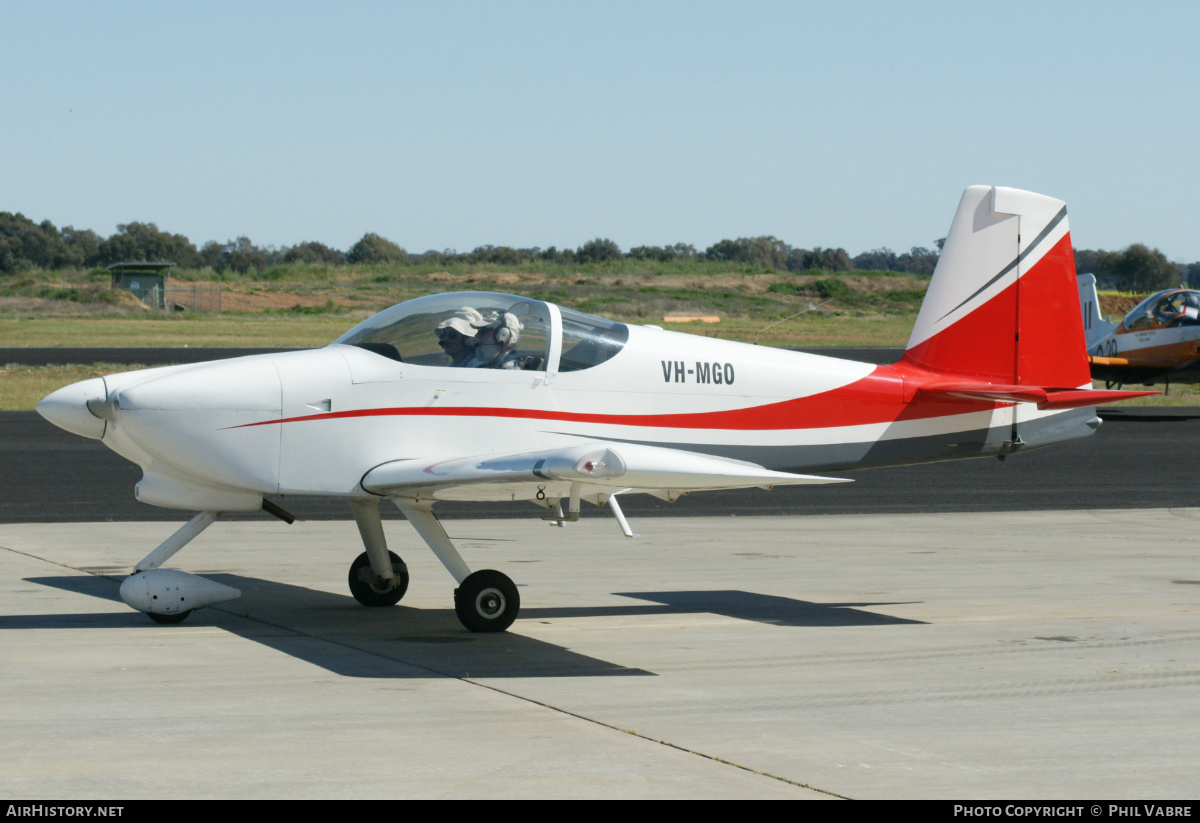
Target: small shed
[(143, 280)]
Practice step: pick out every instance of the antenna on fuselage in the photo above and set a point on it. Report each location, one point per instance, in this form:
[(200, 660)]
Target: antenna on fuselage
[(811, 307)]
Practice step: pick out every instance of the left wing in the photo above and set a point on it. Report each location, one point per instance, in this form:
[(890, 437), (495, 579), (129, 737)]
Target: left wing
[(596, 469)]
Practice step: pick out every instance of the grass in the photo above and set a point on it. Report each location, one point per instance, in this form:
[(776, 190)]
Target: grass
[(1180, 395), (311, 305), (811, 329), (274, 330), (21, 387), (306, 331)]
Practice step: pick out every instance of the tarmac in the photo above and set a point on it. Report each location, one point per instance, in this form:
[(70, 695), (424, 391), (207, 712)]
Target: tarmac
[(1039, 654)]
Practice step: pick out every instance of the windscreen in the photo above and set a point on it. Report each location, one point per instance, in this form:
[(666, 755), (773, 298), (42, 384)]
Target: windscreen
[(461, 330), (1141, 316)]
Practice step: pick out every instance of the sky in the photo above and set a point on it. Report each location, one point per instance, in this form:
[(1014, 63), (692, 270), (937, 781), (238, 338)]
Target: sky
[(450, 125)]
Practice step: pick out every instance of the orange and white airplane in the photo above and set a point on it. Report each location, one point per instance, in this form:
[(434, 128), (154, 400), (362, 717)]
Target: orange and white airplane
[(1158, 341), (482, 396)]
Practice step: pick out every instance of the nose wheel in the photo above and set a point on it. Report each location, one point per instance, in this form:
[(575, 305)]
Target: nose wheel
[(487, 601), (374, 591), (169, 619)]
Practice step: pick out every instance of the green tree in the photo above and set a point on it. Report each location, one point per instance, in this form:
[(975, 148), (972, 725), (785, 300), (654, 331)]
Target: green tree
[(375, 249), (313, 253), (598, 250), (918, 260), (81, 247), (766, 251), (1142, 269), (498, 255), (243, 256), (143, 242), (819, 258)]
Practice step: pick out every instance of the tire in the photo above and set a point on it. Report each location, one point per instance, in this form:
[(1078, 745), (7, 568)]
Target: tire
[(366, 592), (169, 619), (487, 601)]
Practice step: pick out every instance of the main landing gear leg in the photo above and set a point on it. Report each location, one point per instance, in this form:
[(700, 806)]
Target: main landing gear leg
[(377, 577), (486, 600)]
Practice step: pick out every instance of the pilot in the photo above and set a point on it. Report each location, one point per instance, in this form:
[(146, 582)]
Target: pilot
[(456, 335), (496, 342)]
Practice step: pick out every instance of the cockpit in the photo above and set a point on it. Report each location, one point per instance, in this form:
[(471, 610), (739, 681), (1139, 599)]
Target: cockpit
[(1165, 309), (484, 330)]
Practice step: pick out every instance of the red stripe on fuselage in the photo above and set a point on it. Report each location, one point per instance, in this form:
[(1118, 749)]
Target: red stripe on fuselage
[(877, 398)]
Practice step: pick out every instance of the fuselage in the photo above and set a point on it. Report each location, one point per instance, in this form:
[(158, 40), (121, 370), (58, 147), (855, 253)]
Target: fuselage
[(315, 422)]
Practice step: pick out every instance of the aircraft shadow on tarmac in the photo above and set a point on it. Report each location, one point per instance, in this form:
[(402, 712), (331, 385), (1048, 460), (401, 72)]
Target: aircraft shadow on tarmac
[(1150, 415), (760, 608), (335, 633)]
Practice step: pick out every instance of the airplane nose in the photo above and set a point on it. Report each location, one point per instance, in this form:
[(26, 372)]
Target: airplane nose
[(241, 384), (70, 407)]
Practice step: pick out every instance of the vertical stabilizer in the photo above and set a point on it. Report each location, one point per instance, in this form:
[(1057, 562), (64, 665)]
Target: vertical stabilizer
[(1003, 303), (1095, 327)]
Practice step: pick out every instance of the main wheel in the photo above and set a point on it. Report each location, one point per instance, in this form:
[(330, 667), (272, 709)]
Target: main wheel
[(365, 586), (487, 601), (169, 619)]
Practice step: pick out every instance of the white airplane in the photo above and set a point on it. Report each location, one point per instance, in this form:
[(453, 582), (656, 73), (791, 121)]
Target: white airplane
[(563, 408)]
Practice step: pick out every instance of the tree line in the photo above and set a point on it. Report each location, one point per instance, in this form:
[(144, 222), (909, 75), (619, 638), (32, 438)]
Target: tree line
[(1136, 269), (26, 245)]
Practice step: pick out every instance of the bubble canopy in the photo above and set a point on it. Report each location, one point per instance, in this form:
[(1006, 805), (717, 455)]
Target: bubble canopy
[(429, 331)]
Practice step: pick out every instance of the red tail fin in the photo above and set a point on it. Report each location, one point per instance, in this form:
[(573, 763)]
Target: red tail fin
[(1003, 304)]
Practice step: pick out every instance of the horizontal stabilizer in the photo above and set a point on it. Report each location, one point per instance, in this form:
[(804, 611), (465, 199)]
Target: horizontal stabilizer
[(1044, 398), (617, 465), (1089, 397)]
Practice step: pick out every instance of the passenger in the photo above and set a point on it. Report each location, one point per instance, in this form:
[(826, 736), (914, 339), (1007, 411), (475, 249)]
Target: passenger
[(456, 335), (1190, 311), (496, 342)]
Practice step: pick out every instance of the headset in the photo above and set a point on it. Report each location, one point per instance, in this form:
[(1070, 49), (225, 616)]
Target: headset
[(503, 334)]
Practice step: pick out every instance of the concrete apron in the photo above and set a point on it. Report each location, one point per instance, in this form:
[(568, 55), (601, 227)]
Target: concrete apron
[(1032, 655)]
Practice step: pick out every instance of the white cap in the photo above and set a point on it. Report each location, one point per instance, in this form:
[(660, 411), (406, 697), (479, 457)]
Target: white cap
[(466, 321), (501, 320)]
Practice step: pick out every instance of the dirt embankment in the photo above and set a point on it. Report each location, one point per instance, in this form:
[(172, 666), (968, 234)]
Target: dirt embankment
[(207, 296), (1118, 305)]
